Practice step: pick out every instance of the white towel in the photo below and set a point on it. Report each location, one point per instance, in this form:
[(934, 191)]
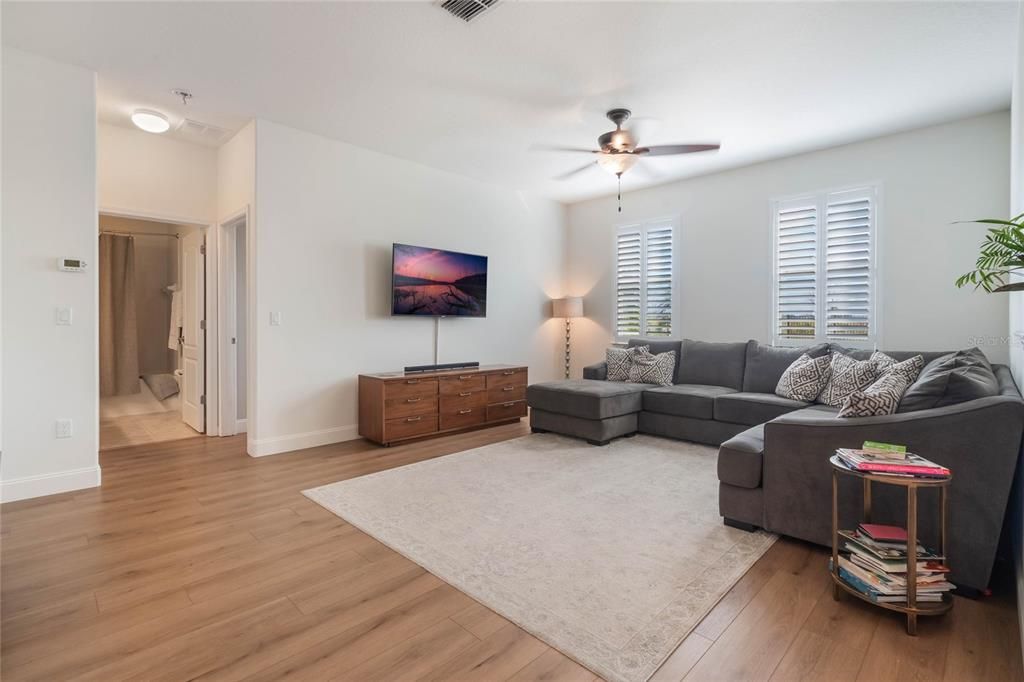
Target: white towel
[(176, 320)]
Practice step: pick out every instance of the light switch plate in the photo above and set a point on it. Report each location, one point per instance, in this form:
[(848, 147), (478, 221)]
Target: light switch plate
[(275, 319), (64, 428), (64, 316)]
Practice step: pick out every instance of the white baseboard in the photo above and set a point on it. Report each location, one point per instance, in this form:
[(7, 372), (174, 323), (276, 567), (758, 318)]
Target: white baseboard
[(299, 441), (241, 425), (49, 484)]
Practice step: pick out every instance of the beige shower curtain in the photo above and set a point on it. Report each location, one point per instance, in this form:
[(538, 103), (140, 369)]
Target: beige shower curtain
[(119, 344)]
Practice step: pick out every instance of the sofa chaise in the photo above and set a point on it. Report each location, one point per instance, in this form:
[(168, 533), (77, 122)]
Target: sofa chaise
[(773, 454)]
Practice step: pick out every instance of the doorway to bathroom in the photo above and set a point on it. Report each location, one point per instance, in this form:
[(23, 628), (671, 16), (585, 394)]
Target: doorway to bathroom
[(152, 336)]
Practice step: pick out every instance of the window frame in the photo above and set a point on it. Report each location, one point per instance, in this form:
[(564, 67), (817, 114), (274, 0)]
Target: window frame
[(820, 199), (673, 223)]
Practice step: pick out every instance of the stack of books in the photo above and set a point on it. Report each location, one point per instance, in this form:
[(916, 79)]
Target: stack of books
[(873, 561), (894, 460)]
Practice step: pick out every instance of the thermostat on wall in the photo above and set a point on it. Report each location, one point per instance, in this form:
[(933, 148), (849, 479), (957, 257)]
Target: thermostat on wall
[(71, 264)]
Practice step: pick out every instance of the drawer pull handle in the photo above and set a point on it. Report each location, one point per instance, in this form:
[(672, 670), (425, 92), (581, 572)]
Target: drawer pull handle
[(509, 388), (465, 376), (413, 419), (508, 404), (509, 372), (465, 411), (413, 400), (412, 381), (465, 393)]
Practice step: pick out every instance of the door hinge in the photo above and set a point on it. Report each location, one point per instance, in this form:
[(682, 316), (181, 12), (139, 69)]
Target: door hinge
[(202, 324), (202, 400), (202, 249)]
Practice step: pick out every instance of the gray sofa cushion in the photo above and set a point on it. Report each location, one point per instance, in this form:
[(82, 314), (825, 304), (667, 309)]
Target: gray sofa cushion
[(740, 458), (766, 364), (712, 364), (586, 398), (897, 355), (752, 408), (658, 346), (684, 400), (951, 379)]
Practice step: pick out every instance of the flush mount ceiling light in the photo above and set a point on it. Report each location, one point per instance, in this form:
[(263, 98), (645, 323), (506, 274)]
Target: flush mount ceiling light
[(150, 121)]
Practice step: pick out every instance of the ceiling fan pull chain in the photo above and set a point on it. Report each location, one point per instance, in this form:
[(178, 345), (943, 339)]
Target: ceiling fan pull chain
[(619, 176)]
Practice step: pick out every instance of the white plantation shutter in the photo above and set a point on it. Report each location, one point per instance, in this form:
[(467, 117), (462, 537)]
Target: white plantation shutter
[(644, 280), (796, 268), (628, 265), (658, 281), (848, 236), (824, 268)]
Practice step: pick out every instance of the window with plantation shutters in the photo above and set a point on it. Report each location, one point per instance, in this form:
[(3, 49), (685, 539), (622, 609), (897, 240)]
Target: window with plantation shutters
[(824, 283), (644, 277)]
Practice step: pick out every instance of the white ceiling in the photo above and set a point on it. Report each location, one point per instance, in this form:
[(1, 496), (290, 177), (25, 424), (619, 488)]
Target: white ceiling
[(404, 78)]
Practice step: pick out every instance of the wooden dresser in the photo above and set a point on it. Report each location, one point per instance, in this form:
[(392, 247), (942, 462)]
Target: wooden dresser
[(397, 406)]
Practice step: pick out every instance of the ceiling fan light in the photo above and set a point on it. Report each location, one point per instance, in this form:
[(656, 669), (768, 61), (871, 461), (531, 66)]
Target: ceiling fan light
[(150, 121), (617, 164)]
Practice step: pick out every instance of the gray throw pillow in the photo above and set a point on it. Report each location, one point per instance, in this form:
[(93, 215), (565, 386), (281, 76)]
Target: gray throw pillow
[(848, 376), (620, 360), (805, 378), (653, 369), (883, 396), (951, 379)]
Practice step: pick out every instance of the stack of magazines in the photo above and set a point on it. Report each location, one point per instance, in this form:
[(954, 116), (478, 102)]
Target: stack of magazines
[(893, 462), (873, 561)]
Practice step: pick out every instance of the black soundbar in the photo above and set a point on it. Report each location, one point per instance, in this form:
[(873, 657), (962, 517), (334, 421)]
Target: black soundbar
[(412, 369)]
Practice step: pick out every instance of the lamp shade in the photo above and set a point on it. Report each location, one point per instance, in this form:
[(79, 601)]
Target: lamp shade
[(567, 307)]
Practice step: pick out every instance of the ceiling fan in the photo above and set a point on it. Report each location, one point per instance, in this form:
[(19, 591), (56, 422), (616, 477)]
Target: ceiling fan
[(619, 151)]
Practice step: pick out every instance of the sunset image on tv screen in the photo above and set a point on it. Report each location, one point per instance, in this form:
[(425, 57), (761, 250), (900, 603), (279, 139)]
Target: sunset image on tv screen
[(435, 282)]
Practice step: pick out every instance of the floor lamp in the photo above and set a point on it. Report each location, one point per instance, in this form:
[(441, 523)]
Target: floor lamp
[(568, 308)]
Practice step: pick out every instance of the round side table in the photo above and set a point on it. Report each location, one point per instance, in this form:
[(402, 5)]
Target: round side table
[(912, 609)]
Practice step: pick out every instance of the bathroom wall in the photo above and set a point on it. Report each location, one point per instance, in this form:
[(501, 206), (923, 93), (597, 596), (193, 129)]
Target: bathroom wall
[(156, 266)]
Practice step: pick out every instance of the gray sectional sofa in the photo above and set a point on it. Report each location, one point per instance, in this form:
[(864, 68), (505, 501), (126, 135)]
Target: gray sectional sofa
[(773, 457)]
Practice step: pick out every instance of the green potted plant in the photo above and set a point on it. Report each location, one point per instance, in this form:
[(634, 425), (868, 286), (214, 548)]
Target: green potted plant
[(1002, 254)]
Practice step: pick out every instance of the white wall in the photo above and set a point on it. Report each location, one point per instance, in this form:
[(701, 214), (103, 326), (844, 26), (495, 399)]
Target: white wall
[(930, 178), (328, 213), (157, 177), (49, 210)]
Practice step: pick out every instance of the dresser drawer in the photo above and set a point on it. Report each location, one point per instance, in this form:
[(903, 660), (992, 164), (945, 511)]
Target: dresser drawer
[(504, 394), (410, 388), (508, 377), (507, 410), (467, 416), (454, 403), (408, 407), (407, 427), (464, 382)]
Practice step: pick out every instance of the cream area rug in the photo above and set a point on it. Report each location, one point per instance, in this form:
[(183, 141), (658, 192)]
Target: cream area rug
[(609, 554)]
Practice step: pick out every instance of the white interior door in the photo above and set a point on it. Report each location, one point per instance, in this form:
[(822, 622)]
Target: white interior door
[(193, 356)]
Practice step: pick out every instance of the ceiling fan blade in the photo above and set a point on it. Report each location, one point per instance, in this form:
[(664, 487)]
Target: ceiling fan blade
[(552, 148), (666, 149), (576, 171)]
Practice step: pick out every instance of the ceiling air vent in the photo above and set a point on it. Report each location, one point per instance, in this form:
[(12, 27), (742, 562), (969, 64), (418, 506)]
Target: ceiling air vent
[(201, 132), (467, 10)]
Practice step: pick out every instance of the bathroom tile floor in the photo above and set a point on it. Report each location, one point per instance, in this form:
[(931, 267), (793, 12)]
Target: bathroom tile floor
[(140, 429)]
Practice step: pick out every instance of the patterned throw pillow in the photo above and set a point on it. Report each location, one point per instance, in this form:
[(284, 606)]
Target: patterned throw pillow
[(653, 369), (620, 360), (911, 367), (848, 375), (805, 378), (883, 396)]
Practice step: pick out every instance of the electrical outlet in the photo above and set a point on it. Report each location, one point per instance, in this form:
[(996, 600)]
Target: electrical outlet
[(63, 428)]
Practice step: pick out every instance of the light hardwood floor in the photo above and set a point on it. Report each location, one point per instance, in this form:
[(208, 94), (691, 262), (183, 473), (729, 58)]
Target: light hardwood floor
[(196, 561)]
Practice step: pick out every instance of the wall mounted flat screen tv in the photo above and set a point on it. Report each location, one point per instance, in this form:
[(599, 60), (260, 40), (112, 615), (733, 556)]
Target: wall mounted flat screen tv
[(437, 283)]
